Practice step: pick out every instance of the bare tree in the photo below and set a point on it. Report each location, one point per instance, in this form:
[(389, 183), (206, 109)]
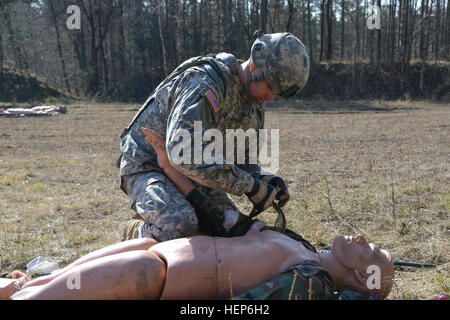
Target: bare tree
[(133, 44), (54, 18), (322, 28), (357, 30), (310, 39), (329, 12), (161, 35), (379, 42), (264, 15), (421, 46), (342, 29), (291, 11)]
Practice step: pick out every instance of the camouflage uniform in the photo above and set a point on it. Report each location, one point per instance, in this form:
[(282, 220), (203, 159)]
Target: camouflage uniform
[(174, 107), (213, 94)]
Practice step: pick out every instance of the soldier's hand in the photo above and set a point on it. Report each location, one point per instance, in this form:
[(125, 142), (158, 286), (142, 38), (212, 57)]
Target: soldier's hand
[(282, 190), (262, 195), (230, 219), (159, 144)]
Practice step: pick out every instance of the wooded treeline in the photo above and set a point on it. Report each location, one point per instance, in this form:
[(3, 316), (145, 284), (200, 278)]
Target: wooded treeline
[(124, 48)]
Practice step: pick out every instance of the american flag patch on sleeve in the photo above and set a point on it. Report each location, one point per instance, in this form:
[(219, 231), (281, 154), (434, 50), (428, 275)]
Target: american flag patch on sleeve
[(213, 101)]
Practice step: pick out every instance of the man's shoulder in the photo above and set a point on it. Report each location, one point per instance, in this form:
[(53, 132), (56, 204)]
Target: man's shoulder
[(210, 72), (212, 78), (228, 61), (223, 62), (223, 69)]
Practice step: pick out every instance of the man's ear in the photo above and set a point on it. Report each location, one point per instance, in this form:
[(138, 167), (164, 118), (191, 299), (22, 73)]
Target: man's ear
[(361, 276)]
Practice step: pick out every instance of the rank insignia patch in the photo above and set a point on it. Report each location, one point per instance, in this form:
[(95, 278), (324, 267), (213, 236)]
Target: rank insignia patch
[(213, 101)]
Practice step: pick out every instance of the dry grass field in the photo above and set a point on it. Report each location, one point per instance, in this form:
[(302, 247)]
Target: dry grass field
[(376, 168)]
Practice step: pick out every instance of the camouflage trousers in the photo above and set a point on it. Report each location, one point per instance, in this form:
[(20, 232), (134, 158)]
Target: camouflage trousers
[(162, 212)]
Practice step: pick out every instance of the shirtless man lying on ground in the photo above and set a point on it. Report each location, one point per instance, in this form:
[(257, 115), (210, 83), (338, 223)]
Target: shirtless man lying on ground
[(203, 267)]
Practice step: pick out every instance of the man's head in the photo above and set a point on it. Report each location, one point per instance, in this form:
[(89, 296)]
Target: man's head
[(363, 262), (281, 63)]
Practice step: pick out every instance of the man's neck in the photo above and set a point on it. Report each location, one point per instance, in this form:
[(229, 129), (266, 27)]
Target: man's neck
[(338, 272), (243, 70)]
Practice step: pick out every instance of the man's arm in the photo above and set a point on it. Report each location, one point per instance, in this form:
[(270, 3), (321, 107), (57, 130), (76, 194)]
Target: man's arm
[(191, 116), (212, 220)]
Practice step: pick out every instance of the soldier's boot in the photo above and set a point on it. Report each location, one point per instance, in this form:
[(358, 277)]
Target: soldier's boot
[(133, 228)]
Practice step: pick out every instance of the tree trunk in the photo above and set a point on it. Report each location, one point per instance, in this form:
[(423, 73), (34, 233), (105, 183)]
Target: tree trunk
[(171, 9), (1, 52), (357, 40), (421, 46), (121, 51), (436, 30), (22, 63), (290, 15), (303, 22), (412, 34), (399, 31), (447, 36), (322, 28), (371, 37), (405, 34), (113, 69), (379, 43), (94, 84), (195, 27), (230, 34), (447, 42), (329, 55), (264, 15), (102, 23), (277, 15), (210, 27), (342, 29), (388, 37), (426, 25), (393, 29), (161, 37), (200, 27), (58, 44), (365, 30)]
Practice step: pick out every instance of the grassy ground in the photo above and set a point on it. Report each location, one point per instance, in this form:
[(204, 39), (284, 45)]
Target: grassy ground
[(376, 168)]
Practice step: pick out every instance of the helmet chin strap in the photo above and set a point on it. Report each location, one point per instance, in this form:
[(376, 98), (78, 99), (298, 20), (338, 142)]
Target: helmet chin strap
[(251, 79)]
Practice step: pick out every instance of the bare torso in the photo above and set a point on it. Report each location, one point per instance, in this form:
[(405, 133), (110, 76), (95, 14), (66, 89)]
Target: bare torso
[(216, 268)]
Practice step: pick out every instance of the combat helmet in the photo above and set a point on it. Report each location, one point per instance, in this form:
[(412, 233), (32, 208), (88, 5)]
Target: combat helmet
[(283, 60)]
